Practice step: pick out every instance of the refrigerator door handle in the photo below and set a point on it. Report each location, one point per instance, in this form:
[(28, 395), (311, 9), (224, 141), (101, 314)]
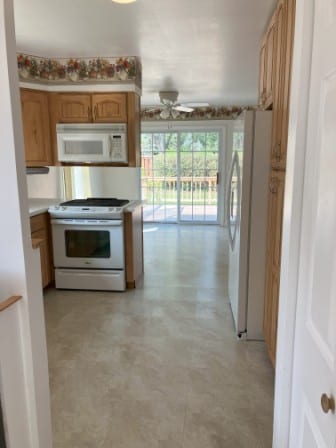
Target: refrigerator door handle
[(228, 214), (229, 200)]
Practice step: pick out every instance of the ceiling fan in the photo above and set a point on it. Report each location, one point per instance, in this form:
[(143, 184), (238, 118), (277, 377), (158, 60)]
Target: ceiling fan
[(171, 108)]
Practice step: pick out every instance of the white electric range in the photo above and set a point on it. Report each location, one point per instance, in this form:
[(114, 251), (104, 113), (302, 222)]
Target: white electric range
[(88, 244)]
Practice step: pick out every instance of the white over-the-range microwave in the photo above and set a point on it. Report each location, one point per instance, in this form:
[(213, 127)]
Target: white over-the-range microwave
[(92, 143)]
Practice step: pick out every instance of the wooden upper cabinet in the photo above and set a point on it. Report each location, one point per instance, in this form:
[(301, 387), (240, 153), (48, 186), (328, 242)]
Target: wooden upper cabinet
[(262, 76), (74, 108), (109, 107), (269, 65), (289, 9), (36, 128), (275, 76), (278, 90)]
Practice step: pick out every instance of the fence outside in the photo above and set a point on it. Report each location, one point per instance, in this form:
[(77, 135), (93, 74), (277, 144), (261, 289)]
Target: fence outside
[(198, 191), (198, 198)]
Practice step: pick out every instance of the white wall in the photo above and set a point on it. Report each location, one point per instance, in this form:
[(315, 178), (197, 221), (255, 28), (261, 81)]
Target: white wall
[(24, 386), (122, 183), (45, 185)]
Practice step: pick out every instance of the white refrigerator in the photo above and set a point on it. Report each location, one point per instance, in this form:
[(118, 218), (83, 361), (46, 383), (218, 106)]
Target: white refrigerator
[(246, 207)]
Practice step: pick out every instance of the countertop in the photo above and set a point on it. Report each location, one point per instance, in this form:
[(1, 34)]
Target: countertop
[(38, 206), (133, 205)]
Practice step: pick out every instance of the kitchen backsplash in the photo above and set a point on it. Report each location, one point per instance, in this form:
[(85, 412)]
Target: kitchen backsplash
[(46, 185), (105, 182), (86, 181)]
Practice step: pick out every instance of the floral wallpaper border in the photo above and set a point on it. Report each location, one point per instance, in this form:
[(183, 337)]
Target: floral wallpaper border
[(79, 70), (200, 113)]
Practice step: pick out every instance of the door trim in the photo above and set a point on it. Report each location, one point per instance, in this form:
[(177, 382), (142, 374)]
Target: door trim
[(294, 188)]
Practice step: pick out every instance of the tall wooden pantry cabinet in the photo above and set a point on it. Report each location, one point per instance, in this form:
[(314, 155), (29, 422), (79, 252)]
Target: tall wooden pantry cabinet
[(274, 90)]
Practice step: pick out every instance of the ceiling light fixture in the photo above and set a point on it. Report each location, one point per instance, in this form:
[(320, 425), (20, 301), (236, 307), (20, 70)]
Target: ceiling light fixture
[(123, 1)]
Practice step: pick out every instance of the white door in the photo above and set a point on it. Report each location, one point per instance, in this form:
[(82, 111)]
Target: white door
[(315, 342)]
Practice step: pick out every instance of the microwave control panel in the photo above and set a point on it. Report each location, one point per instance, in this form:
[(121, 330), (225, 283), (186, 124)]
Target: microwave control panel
[(118, 148)]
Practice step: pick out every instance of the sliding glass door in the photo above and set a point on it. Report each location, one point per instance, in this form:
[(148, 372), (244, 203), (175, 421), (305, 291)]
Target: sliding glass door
[(159, 179), (179, 176)]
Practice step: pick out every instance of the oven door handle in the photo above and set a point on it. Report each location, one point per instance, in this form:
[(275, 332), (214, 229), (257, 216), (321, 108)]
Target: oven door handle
[(87, 222)]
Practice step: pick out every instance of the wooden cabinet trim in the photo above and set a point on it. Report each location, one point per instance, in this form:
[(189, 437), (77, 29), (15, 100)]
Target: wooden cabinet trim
[(133, 228)]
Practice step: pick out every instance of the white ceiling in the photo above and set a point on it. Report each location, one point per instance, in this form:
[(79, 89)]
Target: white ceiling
[(208, 50)]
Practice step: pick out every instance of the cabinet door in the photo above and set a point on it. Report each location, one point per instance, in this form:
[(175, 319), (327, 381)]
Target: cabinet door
[(36, 128), (262, 77), (269, 65), (40, 229), (44, 255), (284, 65), (109, 107), (74, 108), (273, 260), (278, 90)]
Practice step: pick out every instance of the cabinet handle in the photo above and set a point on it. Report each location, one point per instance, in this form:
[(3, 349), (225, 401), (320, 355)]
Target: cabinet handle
[(35, 135), (95, 112), (89, 113)]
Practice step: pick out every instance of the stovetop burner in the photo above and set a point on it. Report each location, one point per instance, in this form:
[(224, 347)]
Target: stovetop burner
[(97, 202)]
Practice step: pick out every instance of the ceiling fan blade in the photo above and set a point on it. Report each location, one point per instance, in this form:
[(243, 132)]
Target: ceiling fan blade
[(183, 108), (152, 109), (195, 104)]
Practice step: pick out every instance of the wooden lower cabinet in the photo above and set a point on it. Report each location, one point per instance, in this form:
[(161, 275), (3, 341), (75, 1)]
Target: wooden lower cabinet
[(40, 230), (273, 260), (134, 247)]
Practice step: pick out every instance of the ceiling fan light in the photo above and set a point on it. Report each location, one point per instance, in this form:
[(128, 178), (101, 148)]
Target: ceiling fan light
[(123, 1), (164, 114)]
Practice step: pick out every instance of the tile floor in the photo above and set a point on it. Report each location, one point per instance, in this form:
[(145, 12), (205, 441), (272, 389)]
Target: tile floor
[(159, 366)]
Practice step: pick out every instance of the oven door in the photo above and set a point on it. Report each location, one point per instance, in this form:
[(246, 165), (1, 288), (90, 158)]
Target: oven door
[(88, 243)]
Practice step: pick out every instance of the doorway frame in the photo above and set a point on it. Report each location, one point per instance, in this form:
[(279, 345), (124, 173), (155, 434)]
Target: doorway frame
[(292, 220), (24, 378), (224, 127)]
